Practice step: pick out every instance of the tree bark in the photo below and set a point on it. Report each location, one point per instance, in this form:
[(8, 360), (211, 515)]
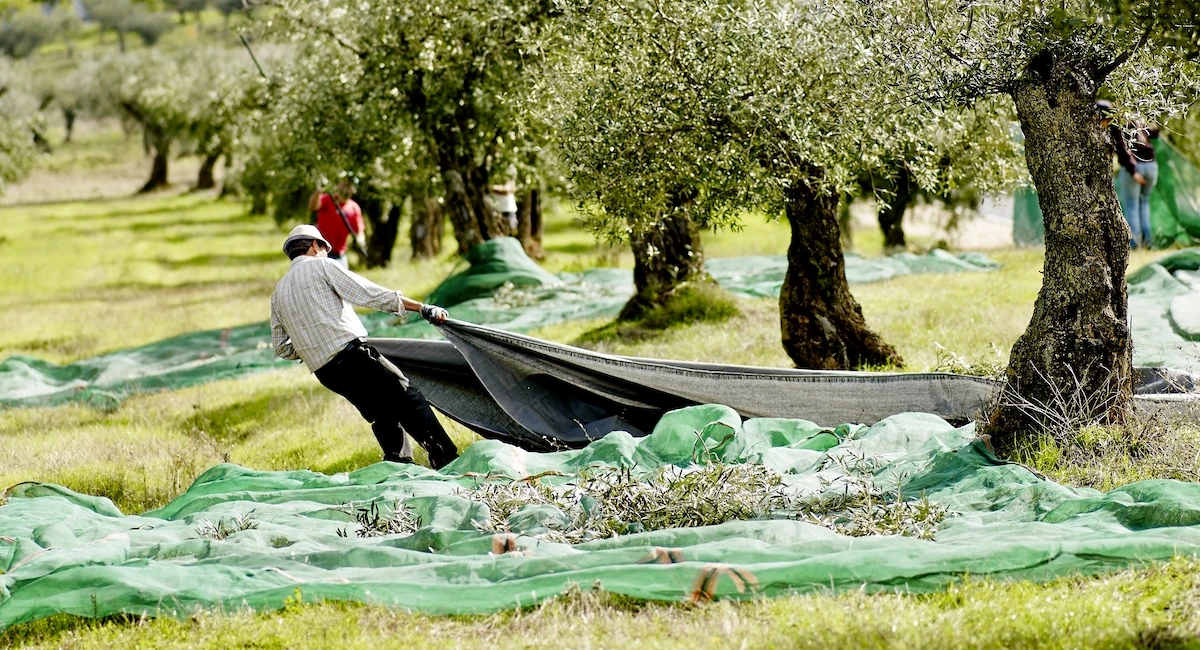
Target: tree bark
[(382, 240), (205, 179), (891, 216), (69, 115), (158, 169), (529, 223), (1075, 358), (258, 203), (461, 211), (425, 233), (822, 324), (666, 255)]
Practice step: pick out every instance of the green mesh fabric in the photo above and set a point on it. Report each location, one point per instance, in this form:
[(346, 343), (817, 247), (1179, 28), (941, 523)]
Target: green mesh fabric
[(1164, 308), (492, 264), (63, 552), (1174, 204), (502, 288)]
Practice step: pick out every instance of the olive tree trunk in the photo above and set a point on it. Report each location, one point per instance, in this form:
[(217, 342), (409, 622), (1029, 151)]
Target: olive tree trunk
[(158, 168), (529, 223), (1075, 358), (891, 216), (383, 221), (822, 324), (474, 221), (425, 233), (666, 255), (205, 179)]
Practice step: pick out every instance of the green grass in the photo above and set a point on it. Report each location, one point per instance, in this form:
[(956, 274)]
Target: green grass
[(90, 276), (1156, 607)]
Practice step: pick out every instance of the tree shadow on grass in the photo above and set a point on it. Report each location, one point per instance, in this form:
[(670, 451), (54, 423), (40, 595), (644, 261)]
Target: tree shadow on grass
[(220, 259), (232, 424), (698, 303)]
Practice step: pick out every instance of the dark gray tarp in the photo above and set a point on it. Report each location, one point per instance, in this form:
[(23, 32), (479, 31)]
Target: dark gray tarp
[(542, 395)]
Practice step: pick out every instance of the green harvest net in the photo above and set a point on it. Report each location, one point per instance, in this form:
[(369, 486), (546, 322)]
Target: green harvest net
[(1164, 308), (501, 288), (1174, 204), (245, 539)]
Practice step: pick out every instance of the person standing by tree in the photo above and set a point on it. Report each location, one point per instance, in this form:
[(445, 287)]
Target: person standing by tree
[(504, 201), (339, 217), (312, 320), (1138, 175)]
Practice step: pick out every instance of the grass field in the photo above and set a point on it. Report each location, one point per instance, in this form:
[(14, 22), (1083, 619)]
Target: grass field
[(87, 276)]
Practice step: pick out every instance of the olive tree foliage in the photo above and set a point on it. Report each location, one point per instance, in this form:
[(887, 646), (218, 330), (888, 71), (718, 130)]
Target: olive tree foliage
[(440, 77), (22, 32), (322, 125), (1053, 60), (225, 93), (179, 99), (126, 16), (710, 107), (18, 120)]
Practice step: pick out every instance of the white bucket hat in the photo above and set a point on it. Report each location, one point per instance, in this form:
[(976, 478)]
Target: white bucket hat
[(305, 231)]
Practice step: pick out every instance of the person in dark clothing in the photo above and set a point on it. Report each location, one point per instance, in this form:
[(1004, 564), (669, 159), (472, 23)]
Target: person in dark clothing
[(312, 320), (1138, 175)]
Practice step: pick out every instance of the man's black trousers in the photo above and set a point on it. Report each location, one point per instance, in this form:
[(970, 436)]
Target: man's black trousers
[(382, 394)]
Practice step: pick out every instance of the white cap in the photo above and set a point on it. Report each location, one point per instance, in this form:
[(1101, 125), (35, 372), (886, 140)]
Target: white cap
[(305, 231)]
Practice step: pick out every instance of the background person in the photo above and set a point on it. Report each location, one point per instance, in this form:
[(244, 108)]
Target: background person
[(504, 201), (1138, 175), (312, 320), (330, 223)]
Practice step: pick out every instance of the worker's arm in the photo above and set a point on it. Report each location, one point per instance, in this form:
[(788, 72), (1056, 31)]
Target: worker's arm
[(361, 292), (280, 340), (314, 201)]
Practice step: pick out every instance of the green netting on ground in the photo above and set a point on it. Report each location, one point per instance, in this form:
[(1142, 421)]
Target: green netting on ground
[(502, 288), (1164, 309), (763, 276), (240, 538), (1174, 204)]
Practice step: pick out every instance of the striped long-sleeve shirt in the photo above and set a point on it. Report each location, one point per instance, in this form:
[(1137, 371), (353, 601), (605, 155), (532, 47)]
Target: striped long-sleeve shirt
[(312, 317)]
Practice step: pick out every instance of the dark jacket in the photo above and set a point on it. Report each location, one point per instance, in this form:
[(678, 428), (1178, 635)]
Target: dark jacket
[(1141, 149)]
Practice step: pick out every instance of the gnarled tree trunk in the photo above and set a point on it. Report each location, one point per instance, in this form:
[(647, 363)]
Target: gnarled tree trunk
[(384, 222), (822, 324), (529, 223), (205, 180), (461, 210), (382, 239), (891, 216), (666, 254), (425, 233), (1078, 341), (69, 115), (158, 168)]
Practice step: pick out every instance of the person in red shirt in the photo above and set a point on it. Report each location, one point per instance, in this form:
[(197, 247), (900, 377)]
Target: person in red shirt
[(330, 223)]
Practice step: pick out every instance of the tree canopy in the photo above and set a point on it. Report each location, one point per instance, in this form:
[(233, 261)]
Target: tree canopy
[(1054, 61), (735, 105)]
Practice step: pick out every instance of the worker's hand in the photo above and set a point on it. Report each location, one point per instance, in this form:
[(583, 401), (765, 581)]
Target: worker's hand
[(1141, 180), (361, 240), (434, 314)]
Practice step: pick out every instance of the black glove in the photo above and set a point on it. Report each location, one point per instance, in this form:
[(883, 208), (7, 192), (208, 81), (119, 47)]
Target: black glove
[(434, 314)]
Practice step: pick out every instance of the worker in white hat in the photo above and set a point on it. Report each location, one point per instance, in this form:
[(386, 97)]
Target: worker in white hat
[(313, 320)]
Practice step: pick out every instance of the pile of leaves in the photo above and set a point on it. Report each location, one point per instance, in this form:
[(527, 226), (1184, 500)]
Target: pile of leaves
[(605, 502)]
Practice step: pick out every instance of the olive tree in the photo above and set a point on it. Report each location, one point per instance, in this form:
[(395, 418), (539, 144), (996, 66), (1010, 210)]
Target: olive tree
[(320, 125), (224, 93), (439, 75), (1052, 61), (678, 112), (125, 16), (18, 121)]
